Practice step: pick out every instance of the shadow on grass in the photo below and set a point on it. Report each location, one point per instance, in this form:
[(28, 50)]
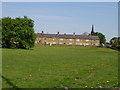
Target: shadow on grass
[(18, 48), (9, 82)]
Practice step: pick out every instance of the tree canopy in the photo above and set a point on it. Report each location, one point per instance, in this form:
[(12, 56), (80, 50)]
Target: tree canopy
[(18, 33), (101, 36), (0, 33), (115, 42)]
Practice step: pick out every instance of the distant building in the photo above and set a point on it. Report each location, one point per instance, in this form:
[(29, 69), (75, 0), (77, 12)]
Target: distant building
[(67, 39), (62, 39), (85, 33)]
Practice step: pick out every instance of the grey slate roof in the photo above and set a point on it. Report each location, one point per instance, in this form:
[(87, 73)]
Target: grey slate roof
[(67, 36)]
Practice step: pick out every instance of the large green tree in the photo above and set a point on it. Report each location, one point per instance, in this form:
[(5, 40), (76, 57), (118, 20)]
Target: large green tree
[(101, 36), (18, 33), (0, 33)]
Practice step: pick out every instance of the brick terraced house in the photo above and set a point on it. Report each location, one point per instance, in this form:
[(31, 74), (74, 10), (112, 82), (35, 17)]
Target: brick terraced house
[(67, 39)]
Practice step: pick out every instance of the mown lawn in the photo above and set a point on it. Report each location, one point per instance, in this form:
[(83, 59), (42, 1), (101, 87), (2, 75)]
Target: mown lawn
[(60, 67)]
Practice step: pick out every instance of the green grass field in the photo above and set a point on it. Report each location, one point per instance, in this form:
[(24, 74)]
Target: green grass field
[(60, 67)]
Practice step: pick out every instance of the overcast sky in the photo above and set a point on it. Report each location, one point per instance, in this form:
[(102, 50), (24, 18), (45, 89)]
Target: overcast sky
[(67, 17)]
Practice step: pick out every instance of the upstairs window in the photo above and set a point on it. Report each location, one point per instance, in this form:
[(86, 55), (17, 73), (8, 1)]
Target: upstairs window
[(77, 40), (70, 39), (61, 39), (53, 39), (87, 40)]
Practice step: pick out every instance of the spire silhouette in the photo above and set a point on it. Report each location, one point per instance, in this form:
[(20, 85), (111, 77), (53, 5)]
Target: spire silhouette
[(92, 32)]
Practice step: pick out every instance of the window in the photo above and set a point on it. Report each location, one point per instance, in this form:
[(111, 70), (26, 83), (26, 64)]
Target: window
[(53, 39), (78, 43), (61, 39), (47, 42), (70, 39), (97, 44), (87, 43), (60, 43), (70, 43), (54, 42), (77, 40), (87, 40)]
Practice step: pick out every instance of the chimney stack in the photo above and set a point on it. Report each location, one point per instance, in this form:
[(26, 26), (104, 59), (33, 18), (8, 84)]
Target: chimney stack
[(42, 32), (73, 33), (57, 33)]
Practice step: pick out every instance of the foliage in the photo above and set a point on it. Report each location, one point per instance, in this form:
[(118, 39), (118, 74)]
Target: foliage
[(60, 67), (107, 43), (0, 33), (115, 42), (18, 33), (101, 36), (114, 39)]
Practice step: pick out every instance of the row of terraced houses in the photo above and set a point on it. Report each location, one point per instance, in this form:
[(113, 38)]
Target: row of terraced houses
[(67, 39)]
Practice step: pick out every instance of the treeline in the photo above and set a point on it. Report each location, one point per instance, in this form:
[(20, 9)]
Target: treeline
[(0, 33), (18, 32), (115, 42)]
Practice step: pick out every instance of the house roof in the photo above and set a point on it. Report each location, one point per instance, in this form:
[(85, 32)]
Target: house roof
[(68, 36)]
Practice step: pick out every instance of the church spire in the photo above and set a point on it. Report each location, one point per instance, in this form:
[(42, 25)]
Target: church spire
[(92, 32)]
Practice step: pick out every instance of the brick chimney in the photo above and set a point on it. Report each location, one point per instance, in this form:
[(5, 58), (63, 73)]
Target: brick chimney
[(73, 33), (57, 33), (42, 32)]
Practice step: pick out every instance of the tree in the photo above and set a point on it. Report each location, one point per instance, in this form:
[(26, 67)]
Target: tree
[(115, 42), (0, 33), (18, 33), (101, 36)]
